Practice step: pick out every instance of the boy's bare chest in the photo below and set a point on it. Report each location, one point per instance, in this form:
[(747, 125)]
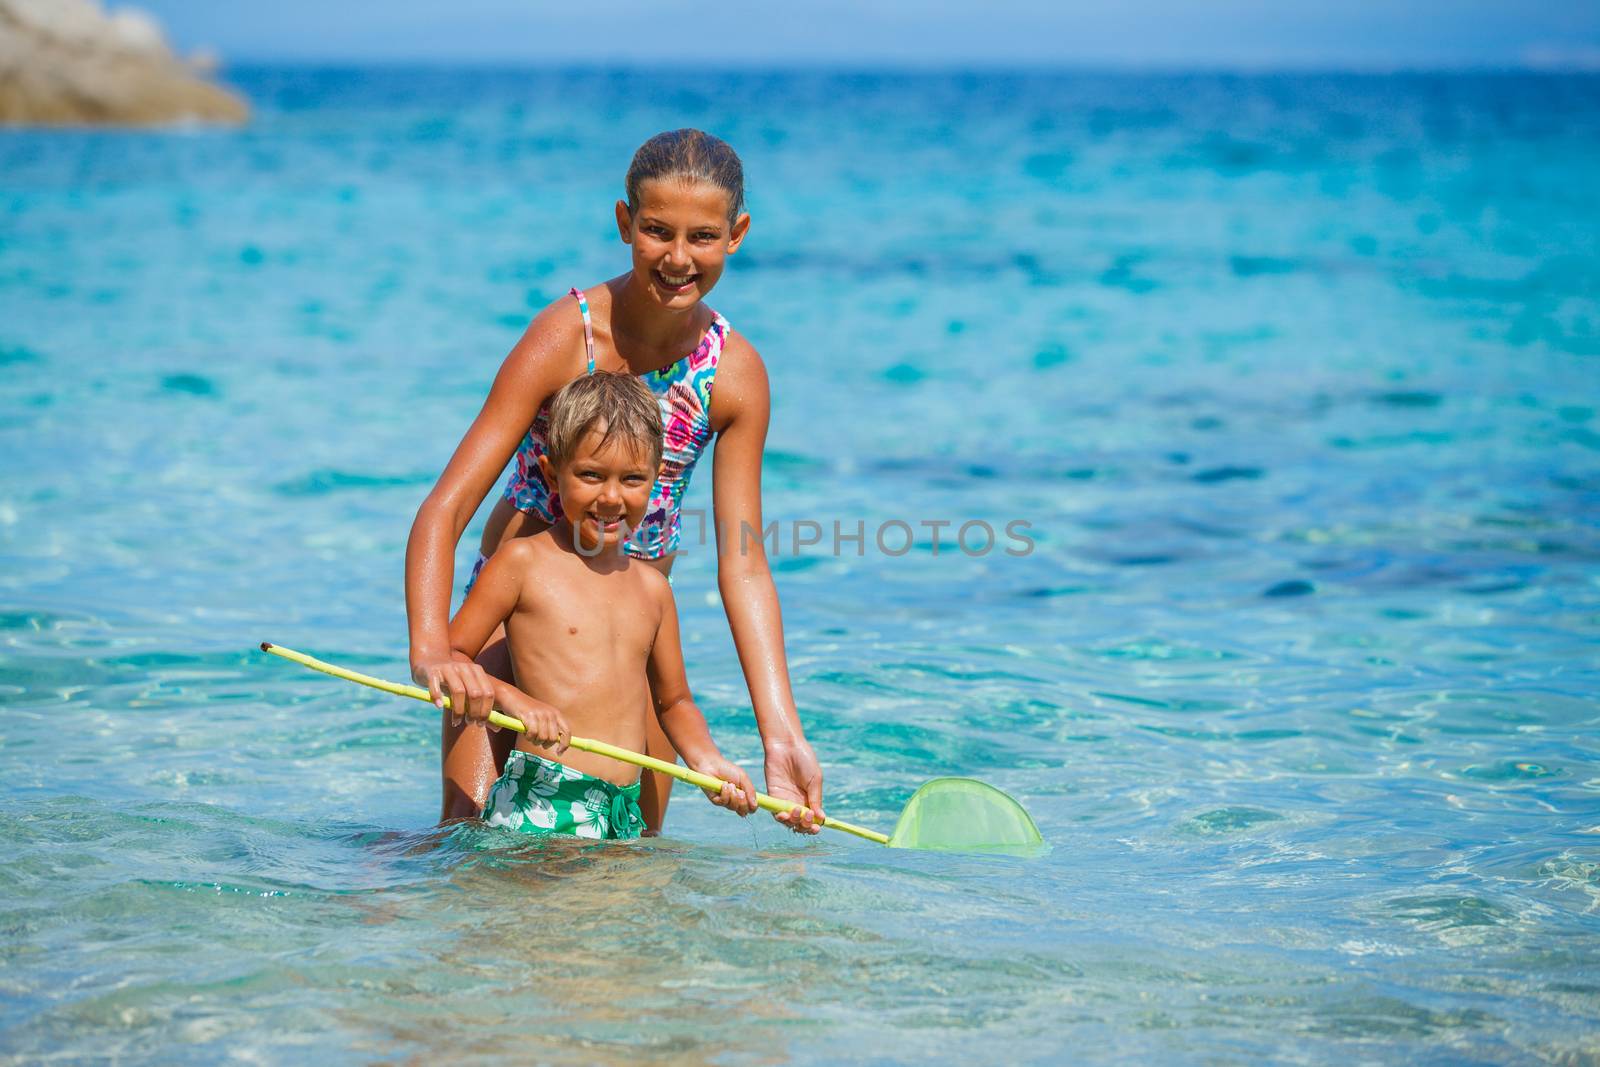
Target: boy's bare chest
[(587, 614)]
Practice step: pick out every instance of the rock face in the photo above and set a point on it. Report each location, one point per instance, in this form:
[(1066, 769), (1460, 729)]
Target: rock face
[(69, 63)]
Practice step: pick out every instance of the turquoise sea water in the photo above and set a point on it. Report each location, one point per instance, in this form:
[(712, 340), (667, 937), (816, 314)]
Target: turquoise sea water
[(1293, 379)]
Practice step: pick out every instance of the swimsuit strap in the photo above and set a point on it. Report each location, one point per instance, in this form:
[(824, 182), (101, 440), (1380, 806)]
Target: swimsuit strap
[(588, 327)]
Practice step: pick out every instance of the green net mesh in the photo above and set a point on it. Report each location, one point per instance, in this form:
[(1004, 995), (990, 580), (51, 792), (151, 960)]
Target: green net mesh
[(964, 815)]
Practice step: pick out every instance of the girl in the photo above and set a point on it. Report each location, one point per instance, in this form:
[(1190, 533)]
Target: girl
[(682, 218)]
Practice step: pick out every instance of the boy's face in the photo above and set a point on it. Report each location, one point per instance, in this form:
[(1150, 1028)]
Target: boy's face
[(604, 489)]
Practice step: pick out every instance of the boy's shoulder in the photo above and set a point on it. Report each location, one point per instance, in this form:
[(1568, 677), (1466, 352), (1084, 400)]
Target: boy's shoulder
[(652, 585), (525, 550), (652, 581)]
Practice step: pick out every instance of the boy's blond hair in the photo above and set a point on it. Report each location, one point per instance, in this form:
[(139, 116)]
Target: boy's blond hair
[(619, 405)]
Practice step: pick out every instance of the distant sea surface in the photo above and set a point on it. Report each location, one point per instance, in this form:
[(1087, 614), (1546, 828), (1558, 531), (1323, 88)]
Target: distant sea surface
[(1292, 380)]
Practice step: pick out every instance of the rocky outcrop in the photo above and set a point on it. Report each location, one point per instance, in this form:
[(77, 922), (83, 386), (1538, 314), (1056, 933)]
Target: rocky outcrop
[(70, 63)]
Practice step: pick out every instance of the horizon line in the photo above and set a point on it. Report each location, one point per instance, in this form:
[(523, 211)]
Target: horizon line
[(901, 66)]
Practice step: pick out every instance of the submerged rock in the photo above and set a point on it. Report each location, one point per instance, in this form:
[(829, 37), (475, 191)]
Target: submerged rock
[(69, 62)]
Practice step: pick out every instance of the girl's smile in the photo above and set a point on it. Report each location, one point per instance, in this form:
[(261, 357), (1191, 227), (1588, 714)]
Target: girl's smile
[(674, 283)]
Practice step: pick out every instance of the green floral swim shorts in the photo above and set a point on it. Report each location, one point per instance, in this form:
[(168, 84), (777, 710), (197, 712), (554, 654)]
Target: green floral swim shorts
[(540, 796)]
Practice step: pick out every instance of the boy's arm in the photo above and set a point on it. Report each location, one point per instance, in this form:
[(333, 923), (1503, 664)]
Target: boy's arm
[(491, 602), (681, 719)]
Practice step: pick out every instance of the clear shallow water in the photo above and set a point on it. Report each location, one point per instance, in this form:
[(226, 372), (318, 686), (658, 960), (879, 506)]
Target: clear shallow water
[(1294, 379)]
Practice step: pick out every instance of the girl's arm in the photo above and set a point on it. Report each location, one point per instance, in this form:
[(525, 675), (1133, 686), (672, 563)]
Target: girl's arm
[(680, 718), (741, 405), (541, 363), (493, 599)]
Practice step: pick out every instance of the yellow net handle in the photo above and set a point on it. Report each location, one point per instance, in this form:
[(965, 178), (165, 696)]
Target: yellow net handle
[(599, 748)]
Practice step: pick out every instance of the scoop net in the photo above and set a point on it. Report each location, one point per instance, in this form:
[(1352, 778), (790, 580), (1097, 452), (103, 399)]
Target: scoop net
[(965, 815)]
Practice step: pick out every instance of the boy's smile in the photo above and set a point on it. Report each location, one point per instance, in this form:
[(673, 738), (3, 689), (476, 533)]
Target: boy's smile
[(604, 490)]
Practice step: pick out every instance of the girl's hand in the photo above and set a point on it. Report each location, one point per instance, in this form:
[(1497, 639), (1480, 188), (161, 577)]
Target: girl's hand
[(738, 794), (466, 685), (542, 722), (793, 774)]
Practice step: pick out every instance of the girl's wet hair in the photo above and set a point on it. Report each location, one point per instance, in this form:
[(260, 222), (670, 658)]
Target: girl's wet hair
[(688, 154), (618, 405)]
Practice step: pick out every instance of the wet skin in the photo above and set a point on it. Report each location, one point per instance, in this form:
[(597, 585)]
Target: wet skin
[(643, 320), (592, 635)]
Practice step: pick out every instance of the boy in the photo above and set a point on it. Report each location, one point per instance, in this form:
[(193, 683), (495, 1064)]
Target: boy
[(591, 632)]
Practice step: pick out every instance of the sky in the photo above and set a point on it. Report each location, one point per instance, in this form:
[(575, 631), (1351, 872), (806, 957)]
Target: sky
[(1244, 34)]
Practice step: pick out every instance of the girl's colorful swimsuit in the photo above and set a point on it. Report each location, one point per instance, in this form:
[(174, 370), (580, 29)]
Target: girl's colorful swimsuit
[(683, 391)]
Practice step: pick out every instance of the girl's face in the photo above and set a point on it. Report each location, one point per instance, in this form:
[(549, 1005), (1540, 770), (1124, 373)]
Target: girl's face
[(681, 238)]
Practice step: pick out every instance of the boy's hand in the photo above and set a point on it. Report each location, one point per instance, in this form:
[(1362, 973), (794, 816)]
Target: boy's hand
[(542, 722), (737, 792)]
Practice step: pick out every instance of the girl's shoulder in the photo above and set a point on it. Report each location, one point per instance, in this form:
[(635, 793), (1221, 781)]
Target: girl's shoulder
[(741, 384), (594, 311), (563, 316), (555, 337), (737, 349)]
